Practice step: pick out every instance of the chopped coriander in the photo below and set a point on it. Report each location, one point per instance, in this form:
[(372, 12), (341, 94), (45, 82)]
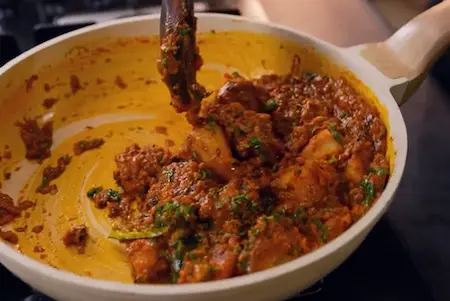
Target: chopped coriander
[(204, 173), (337, 136), (237, 200), (194, 155), (211, 122), (279, 214), (184, 31), (270, 106), (165, 62), (332, 160), (243, 265), (234, 74), (93, 191), (114, 195), (255, 143), (255, 231), (323, 229), (309, 75), (122, 236), (244, 185), (369, 190), (299, 215), (380, 171), (219, 204)]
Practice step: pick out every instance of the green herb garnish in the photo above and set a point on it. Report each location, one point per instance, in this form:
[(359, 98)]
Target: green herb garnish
[(93, 191), (270, 106), (337, 136), (235, 74), (212, 123), (332, 160), (369, 190), (164, 62), (323, 229), (184, 31), (122, 236), (114, 195), (255, 143), (237, 200), (243, 265), (309, 75), (380, 171), (204, 173)]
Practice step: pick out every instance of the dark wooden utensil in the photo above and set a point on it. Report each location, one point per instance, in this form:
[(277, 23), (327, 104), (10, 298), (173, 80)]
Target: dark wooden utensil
[(179, 56)]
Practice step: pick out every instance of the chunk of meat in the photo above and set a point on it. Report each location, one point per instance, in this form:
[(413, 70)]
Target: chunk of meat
[(337, 225), (8, 211), (271, 243), (380, 171), (147, 263), (182, 182), (358, 164), (136, 167), (76, 237), (224, 258), (306, 184), (298, 138), (250, 133), (9, 236), (37, 140), (250, 95), (321, 146), (211, 147), (51, 173), (88, 144)]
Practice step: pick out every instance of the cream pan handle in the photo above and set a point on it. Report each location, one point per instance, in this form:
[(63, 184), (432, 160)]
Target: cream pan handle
[(410, 51)]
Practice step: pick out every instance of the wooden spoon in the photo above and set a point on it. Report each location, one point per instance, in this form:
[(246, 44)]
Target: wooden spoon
[(180, 60)]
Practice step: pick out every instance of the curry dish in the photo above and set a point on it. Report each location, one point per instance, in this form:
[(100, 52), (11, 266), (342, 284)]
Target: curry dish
[(287, 161), (277, 166)]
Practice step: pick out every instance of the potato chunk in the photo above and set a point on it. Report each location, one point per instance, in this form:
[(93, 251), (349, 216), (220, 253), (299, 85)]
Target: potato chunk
[(211, 147), (304, 185), (355, 170), (321, 145)]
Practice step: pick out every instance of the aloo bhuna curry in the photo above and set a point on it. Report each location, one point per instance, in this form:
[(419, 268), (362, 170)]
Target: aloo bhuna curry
[(278, 164)]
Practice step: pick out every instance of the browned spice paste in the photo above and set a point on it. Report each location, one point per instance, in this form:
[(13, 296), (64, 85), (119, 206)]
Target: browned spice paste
[(38, 140), (288, 161)]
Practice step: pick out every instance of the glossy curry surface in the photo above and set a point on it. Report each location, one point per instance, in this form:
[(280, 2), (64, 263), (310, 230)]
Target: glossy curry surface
[(112, 90)]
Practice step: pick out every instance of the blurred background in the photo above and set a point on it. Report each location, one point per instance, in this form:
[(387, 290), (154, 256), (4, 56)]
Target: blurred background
[(25, 23)]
